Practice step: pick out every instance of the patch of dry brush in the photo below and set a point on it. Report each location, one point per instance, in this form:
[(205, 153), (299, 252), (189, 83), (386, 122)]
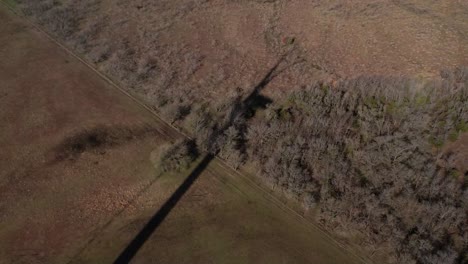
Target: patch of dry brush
[(364, 151)]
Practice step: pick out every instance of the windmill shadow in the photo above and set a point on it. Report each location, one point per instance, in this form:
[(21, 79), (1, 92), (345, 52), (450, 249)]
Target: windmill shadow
[(247, 108), (132, 249)]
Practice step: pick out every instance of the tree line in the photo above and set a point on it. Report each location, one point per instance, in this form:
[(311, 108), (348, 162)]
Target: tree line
[(368, 153)]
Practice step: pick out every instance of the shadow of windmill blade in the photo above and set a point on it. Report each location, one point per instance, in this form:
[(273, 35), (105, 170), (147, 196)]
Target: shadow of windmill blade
[(246, 108), (132, 249)]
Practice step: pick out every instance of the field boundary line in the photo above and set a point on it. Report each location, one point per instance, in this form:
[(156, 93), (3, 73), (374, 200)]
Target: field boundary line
[(90, 66), (230, 170), (287, 209)]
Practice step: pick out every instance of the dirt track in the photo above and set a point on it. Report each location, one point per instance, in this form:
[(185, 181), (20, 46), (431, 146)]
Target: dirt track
[(75, 153)]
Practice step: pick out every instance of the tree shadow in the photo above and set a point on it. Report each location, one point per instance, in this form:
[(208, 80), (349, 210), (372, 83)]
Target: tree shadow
[(247, 109)]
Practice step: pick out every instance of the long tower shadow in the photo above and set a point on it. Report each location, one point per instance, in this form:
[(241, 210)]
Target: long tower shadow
[(247, 108), (140, 239)]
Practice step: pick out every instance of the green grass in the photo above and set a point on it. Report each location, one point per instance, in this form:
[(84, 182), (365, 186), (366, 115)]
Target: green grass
[(11, 3), (454, 173), (453, 136), (461, 126), (371, 102), (436, 142), (392, 108), (325, 89), (422, 100)]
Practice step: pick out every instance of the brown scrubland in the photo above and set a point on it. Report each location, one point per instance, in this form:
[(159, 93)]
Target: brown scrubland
[(364, 117)]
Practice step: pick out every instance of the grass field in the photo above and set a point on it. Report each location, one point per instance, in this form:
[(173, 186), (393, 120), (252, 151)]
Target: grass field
[(77, 182), (220, 220), (50, 206)]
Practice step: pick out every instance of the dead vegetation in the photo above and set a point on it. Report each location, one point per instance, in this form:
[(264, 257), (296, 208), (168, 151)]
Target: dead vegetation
[(364, 151)]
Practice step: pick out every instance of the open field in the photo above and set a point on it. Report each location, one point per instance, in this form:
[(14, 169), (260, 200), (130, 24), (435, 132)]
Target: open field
[(354, 110), (207, 49), (77, 182), (74, 152), (220, 220), (358, 37)]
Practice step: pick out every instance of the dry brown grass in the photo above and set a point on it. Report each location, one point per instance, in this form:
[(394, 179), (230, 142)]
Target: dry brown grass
[(83, 210)]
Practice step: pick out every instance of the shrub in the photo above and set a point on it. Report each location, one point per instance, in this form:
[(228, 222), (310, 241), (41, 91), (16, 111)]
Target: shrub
[(179, 156)]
